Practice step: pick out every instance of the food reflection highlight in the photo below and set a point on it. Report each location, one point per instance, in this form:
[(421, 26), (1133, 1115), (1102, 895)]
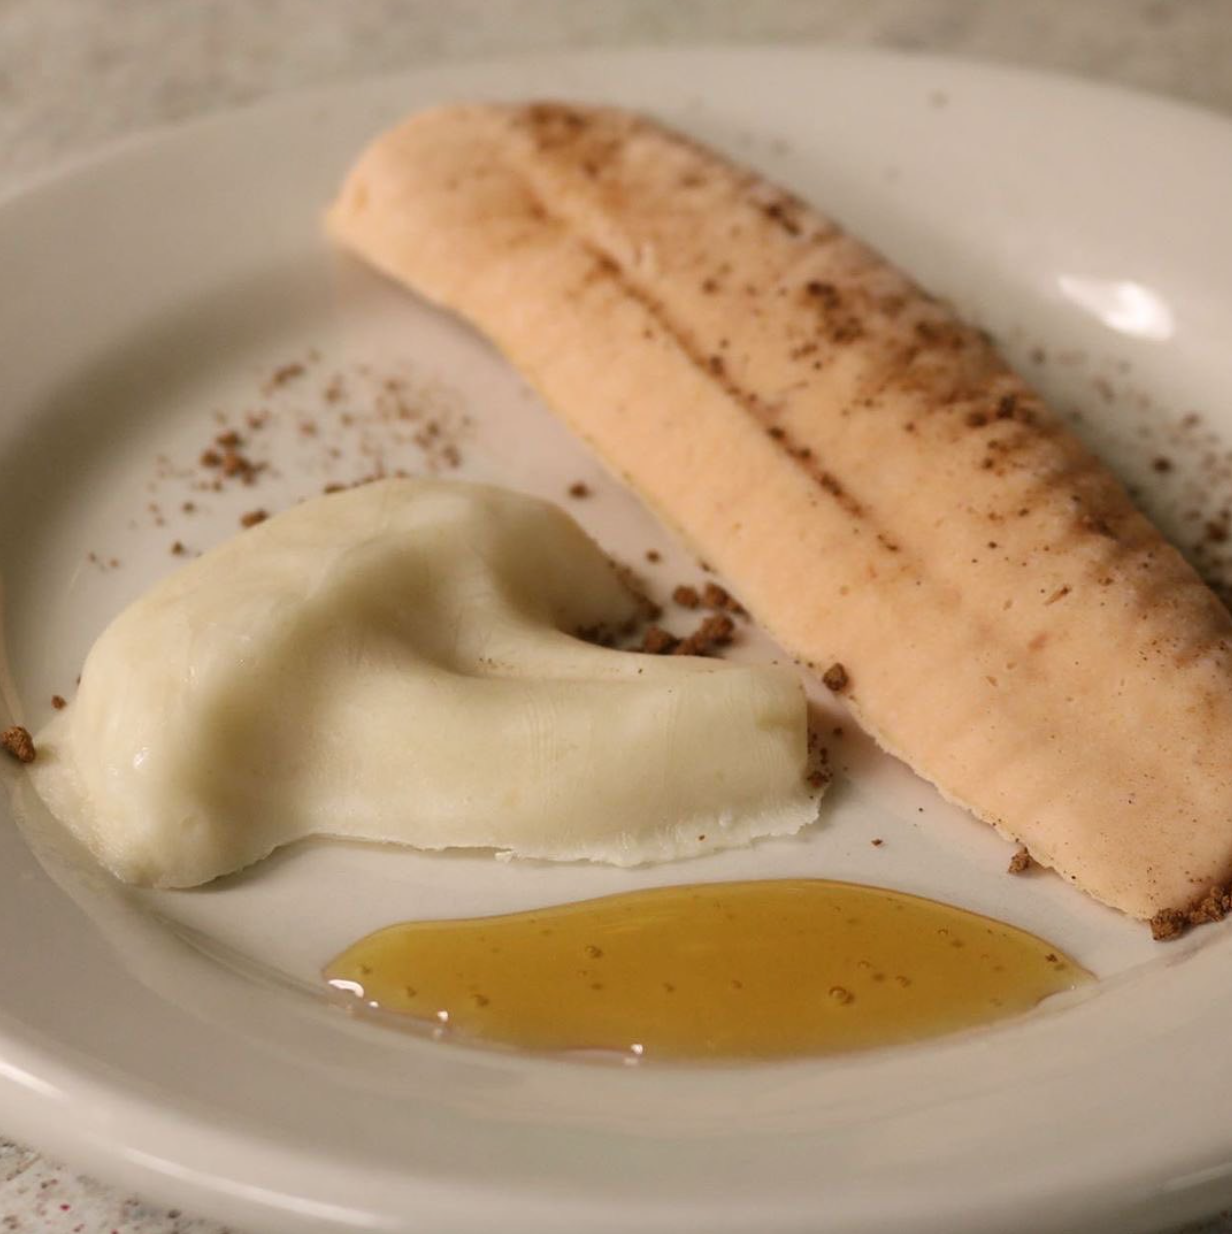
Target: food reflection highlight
[(748, 970), (1123, 306)]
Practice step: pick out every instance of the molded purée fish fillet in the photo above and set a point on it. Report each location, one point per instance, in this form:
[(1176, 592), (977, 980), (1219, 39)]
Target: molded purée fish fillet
[(866, 470)]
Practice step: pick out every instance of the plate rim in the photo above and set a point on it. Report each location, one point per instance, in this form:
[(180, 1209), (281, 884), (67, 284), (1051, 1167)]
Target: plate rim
[(141, 140)]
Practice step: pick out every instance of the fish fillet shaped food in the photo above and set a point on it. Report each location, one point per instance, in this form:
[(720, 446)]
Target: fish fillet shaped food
[(885, 493)]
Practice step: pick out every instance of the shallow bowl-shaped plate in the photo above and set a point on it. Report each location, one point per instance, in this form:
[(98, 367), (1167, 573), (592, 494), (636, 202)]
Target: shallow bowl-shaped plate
[(180, 1042)]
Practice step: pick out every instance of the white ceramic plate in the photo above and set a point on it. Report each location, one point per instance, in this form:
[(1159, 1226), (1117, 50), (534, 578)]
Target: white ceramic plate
[(179, 1043)]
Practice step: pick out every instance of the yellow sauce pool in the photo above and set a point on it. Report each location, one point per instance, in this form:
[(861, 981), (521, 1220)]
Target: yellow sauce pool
[(766, 969)]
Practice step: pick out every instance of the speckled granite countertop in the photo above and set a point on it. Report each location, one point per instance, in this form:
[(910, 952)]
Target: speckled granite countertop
[(77, 73)]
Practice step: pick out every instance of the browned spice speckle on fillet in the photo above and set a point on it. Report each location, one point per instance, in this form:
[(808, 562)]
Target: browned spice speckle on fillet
[(1173, 922), (835, 678), (881, 489)]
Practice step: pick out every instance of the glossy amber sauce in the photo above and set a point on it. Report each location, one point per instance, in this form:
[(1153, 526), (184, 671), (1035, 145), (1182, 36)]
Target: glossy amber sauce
[(766, 969)]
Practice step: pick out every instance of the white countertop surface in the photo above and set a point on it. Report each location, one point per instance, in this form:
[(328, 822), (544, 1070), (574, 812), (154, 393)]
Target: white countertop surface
[(75, 74)]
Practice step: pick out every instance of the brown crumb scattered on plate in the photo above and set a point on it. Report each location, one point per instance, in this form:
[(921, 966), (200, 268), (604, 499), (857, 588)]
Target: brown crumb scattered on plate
[(657, 641), (285, 373), (17, 742), (1020, 862), (715, 631), (720, 599)]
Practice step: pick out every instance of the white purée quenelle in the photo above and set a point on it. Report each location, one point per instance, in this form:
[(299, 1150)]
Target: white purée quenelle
[(399, 662)]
